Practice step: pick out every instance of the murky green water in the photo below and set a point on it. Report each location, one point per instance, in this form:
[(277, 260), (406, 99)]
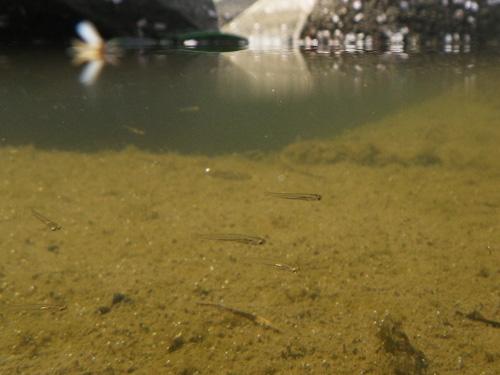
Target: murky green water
[(215, 103), (170, 177)]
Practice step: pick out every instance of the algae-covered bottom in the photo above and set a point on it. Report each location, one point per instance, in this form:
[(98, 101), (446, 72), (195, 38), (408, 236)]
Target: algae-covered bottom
[(405, 235)]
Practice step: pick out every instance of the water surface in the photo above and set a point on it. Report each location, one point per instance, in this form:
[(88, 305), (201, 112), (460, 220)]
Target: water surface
[(215, 103)]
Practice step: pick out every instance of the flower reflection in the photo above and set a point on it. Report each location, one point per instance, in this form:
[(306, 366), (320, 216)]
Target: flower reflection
[(92, 51)]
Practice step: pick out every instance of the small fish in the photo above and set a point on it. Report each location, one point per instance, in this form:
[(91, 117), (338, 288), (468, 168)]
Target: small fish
[(227, 175), (278, 265), (241, 238), (256, 319), (51, 224), (37, 307), (297, 196), (193, 108), (135, 130)]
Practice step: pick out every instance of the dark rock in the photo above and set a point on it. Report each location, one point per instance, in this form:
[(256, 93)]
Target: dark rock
[(24, 21), (117, 298), (103, 310), (53, 247)]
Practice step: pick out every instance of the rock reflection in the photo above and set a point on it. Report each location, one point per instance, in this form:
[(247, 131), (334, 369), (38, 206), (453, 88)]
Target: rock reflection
[(274, 74)]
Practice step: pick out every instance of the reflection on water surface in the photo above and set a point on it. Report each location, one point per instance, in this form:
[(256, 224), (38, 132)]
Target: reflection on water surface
[(216, 103)]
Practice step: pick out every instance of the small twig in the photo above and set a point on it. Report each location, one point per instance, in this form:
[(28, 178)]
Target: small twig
[(252, 317), (476, 316)]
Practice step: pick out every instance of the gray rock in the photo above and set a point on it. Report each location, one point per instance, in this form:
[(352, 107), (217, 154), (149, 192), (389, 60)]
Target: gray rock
[(271, 23), (367, 24), (414, 22), (227, 10)]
